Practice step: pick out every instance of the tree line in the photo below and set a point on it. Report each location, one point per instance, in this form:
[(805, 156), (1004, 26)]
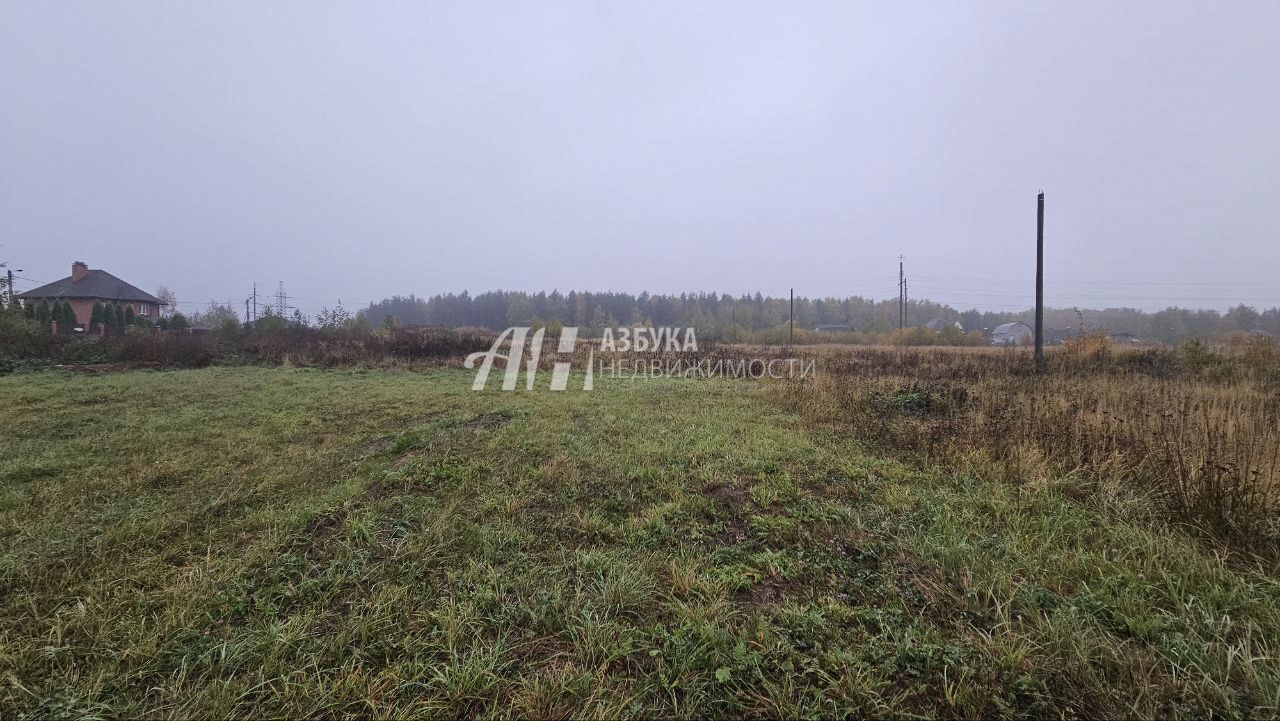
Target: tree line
[(715, 316), (750, 316)]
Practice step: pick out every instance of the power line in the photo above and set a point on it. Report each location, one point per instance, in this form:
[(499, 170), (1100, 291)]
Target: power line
[(1092, 297), (1099, 282)]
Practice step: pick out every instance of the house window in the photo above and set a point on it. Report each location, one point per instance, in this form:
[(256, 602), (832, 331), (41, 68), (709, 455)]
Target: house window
[(142, 309)]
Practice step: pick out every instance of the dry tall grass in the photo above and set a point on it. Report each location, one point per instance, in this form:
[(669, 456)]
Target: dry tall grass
[(1195, 429)]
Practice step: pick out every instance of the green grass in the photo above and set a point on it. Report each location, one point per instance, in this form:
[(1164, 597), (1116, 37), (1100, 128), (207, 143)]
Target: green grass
[(255, 542)]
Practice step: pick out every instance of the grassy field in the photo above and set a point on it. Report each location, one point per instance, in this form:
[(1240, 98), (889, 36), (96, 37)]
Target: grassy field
[(266, 542)]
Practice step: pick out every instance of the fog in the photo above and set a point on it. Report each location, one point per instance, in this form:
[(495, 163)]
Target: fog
[(356, 150)]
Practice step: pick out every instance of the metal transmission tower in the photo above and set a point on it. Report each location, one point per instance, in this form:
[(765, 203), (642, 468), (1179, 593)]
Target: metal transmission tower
[(281, 299)]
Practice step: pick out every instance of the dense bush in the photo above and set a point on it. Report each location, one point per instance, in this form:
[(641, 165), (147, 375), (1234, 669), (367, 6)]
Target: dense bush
[(275, 343), (351, 346), (22, 337), (158, 349)]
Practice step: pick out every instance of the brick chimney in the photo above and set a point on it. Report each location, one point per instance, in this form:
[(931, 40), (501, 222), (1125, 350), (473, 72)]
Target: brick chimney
[(79, 271)]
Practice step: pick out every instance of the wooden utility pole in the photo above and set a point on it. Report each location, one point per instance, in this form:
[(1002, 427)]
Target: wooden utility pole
[(791, 325), (902, 295), (1040, 282)]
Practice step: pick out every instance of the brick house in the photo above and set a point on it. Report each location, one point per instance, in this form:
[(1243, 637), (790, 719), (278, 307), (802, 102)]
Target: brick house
[(84, 287)]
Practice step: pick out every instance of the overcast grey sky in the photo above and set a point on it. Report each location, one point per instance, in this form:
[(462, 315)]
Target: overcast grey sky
[(356, 150)]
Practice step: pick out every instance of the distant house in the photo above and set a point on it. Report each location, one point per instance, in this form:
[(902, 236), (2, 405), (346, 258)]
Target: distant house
[(833, 328), (84, 287), (1123, 337), (1058, 336), (938, 324), (1012, 334)]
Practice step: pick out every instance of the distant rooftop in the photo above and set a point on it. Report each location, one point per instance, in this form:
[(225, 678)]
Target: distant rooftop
[(93, 284)]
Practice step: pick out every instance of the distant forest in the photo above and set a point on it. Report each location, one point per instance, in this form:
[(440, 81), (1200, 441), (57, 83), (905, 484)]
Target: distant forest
[(724, 317)]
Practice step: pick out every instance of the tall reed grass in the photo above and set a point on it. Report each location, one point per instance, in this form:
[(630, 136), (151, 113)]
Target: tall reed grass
[(1195, 429)]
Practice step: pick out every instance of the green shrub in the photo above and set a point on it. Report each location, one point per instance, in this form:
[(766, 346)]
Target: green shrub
[(165, 350), (68, 322)]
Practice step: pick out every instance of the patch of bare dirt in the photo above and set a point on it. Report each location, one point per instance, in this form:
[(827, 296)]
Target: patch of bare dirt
[(489, 421), (377, 444), (162, 480), (729, 495), (407, 457), (769, 592), (737, 504), (319, 531)]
